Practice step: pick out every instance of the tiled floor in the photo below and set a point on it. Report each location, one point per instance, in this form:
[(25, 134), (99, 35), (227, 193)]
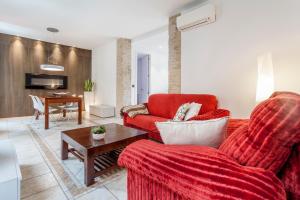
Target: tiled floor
[(39, 183)]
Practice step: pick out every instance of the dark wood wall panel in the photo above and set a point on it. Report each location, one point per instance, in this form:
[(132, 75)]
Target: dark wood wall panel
[(22, 55)]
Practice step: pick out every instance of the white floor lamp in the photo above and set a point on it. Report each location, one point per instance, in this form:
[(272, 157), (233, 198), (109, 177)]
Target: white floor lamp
[(265, 79)]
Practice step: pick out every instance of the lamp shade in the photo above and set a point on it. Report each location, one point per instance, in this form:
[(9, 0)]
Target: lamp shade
[(49, 67), (265, 79)]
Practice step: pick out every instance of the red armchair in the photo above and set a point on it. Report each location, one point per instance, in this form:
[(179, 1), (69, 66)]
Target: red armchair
[(163, 107), (259, 160)]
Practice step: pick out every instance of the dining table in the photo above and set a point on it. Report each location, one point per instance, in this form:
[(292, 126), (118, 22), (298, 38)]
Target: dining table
[(48, 100)]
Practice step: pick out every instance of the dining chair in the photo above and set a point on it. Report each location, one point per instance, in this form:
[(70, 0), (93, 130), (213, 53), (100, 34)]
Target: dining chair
[(35, 107), (40, 108), (71, 108)]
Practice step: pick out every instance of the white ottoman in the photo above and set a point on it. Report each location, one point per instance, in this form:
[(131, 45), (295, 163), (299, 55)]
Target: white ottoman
[(102, 110)]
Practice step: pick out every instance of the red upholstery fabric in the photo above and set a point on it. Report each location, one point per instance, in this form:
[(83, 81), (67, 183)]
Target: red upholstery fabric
[(290, 174), (234, 124), (166, 105), (273, 129), (172, 172), (218, 113), (145, 122), (140, 187), (155, 136), (163, 107)]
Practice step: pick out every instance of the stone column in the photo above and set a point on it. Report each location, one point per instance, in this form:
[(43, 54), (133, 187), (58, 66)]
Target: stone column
[(123, 73), (174, 56)]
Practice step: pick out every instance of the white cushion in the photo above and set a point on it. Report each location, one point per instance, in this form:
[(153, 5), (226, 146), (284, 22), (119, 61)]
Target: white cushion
[(205, 133), (193, 111)]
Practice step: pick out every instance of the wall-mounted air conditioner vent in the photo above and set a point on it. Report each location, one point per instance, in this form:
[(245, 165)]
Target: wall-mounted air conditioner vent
[(200, 16)]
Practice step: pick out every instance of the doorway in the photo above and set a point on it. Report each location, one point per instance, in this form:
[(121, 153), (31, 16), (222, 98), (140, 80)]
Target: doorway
[(143, 78)]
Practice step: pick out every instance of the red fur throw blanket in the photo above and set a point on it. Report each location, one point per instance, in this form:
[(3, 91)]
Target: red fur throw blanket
[(193, 172)]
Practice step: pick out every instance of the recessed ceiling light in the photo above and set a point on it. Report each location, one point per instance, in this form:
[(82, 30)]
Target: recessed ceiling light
[(52, 30)]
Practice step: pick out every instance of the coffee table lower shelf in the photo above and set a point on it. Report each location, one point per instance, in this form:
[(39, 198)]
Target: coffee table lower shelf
[(102, 163)]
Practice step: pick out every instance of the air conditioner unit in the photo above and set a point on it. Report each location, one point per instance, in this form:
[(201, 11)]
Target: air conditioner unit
[(200, 16)]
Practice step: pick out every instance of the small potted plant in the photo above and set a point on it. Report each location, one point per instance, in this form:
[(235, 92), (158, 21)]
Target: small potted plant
[(98, 132)]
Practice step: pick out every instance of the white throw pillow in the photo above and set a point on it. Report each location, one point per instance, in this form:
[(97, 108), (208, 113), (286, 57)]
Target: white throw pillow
[(205, 133), (193, 111)]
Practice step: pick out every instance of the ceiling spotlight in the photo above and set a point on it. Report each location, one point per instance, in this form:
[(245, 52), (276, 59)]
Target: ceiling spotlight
[(52, 30)]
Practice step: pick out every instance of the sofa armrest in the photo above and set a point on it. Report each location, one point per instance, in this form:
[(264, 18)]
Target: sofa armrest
[(125, 116), (195, 172), (218, 113)]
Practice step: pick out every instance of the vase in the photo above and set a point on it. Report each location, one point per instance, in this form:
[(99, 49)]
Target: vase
[(98, 136), (89, 99)]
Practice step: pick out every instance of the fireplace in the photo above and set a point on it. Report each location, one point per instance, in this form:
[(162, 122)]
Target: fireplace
[(45, 81)]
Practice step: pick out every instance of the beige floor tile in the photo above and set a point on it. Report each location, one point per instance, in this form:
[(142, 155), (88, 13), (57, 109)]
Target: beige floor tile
[(98, 194), (30, 160), (32, 171), (118, 187), (18, 133), (54, 193), (38, 184), (38, 181), (25, 147), (33, 151), (4, 135)]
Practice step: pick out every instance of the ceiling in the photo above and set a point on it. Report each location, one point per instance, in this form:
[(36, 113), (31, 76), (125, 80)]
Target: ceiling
[(85, 23)]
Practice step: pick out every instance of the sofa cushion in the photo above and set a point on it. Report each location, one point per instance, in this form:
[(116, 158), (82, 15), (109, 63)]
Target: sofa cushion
[(146, 122), (204, 133), (166, 105), (267, 140)]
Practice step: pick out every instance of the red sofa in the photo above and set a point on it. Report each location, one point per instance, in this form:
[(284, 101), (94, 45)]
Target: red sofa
[(260, 159), (163, 107)]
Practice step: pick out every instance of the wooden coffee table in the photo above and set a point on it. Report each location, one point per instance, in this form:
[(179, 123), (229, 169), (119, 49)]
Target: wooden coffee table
[(98, 156)]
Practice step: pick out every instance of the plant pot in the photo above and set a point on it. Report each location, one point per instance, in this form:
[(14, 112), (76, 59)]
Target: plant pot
[(98, 136), (89, 99)]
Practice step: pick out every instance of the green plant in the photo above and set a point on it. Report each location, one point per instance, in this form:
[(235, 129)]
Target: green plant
[(88, 85), (98, 130)]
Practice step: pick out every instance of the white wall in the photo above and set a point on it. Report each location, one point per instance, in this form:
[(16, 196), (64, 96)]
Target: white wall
[(159, 72), (221, 58), (156, 45), (104, 63)]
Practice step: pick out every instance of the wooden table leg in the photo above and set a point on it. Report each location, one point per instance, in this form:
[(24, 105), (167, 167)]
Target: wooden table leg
[(64, 150), (46, 114), (89, 171), (79, 112)]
